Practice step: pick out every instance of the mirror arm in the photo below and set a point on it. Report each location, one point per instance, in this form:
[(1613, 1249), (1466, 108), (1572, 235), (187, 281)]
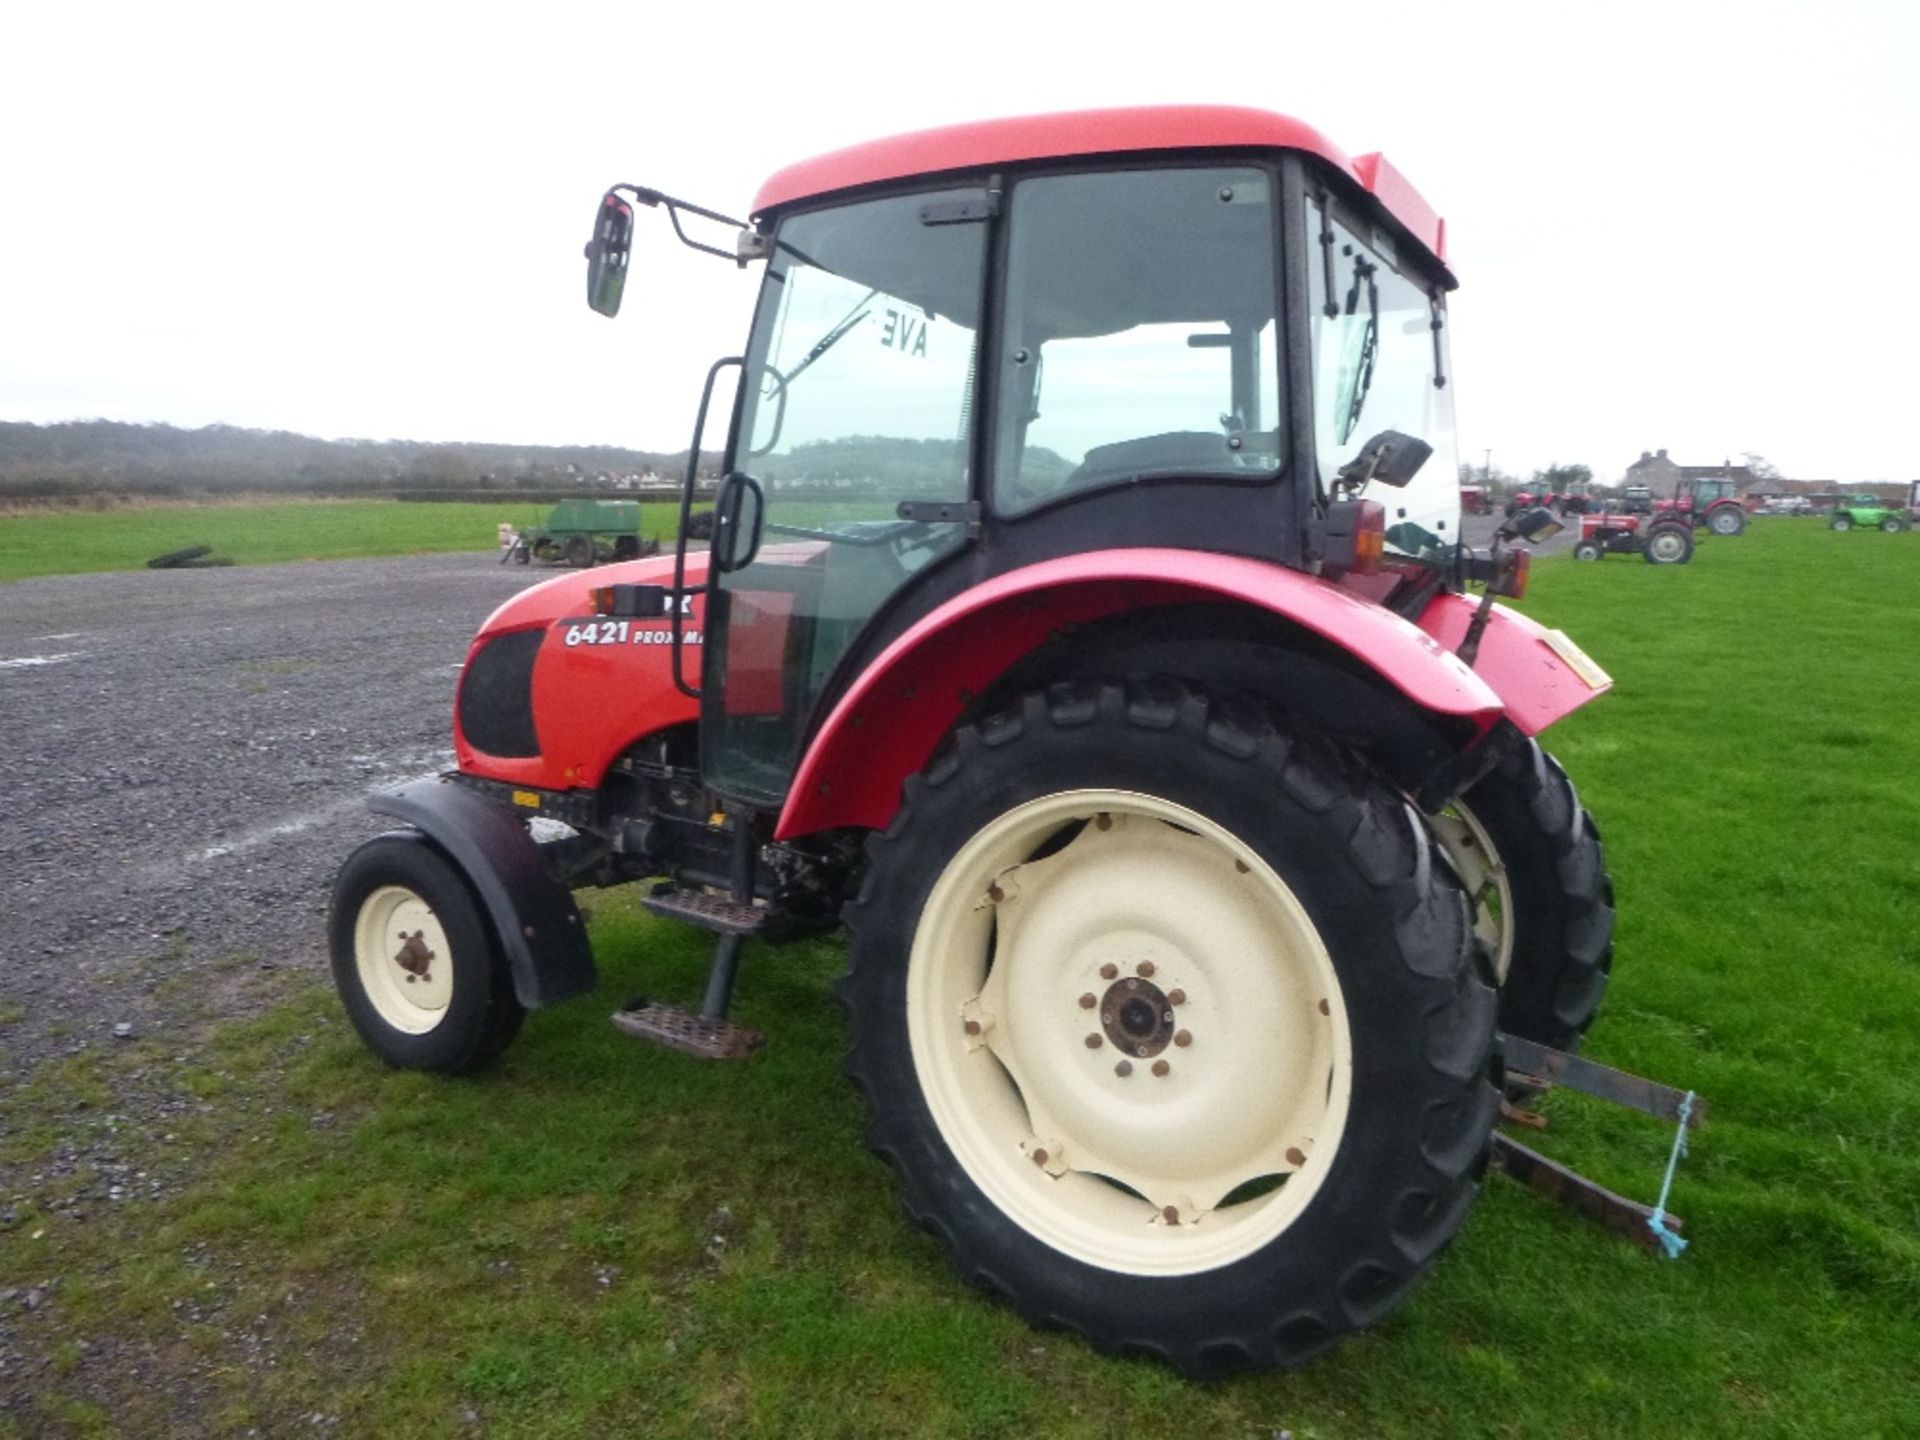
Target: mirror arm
[(654, 198)]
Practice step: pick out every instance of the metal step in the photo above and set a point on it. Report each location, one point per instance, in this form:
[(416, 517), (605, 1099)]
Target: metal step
[(707, 1036), (705, 910)]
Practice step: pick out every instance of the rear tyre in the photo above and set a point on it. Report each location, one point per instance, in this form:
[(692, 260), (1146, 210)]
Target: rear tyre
[(1533, 866), (1586, 550), (1727, 520), (1170, 1024), (579, 552), (1843, 522), (415, 959), (1891, 524), (1669, 545)]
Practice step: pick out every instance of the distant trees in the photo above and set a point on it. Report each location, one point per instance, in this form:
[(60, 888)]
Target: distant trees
[(1558, 479), (95, 457)]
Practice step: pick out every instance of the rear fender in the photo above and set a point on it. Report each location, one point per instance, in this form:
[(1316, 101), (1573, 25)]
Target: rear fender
[(533, 914), (885, 727)]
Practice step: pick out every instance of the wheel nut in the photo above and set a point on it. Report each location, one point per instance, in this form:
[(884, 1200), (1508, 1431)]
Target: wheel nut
[(1160, 1067), (972, 1027), (1176, 997), (1094, 1042), (1040, 1157), (1087, 1002), (1183, 1038), (1144, 968), (1171, 1214), (1107, 972), (1295, 1158), (1123, 1069)]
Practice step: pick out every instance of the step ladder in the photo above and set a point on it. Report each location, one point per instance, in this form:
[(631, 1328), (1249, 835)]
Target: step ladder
[(731, 917)]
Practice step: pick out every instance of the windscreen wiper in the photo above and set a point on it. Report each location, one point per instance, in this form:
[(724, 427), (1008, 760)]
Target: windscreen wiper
[(1369, 341)]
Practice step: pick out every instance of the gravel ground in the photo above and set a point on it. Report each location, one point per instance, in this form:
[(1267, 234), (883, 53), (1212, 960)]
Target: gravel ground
[(186, 756)]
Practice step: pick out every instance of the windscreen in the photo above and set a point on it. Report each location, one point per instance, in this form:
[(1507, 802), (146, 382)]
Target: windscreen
[(1379, 363)]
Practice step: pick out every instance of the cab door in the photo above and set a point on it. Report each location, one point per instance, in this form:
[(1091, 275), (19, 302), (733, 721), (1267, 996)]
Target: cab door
[(855, 431)]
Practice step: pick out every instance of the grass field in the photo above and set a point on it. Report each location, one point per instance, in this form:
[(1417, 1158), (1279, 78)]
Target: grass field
[(600, 1238), (55, 542)]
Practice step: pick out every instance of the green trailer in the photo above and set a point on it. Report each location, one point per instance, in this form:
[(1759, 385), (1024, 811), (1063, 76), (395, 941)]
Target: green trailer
[(583, 533)]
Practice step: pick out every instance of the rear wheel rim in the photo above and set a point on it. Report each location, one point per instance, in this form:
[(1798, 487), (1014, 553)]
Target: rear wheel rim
[(1484, 877), (1135, 1044), (1667, 547), (402, 957)]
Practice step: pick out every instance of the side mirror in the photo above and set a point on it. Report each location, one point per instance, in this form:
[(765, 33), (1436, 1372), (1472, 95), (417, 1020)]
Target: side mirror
[(738, 511), (607, 254), (1532, 526), (1390, 458)]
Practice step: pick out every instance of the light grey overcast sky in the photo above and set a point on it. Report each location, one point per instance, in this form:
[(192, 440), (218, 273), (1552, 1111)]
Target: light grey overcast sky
[(1676, 224)]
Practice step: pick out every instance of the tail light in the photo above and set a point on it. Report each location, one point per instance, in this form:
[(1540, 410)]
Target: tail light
[(1515, 567), (1356, 537)]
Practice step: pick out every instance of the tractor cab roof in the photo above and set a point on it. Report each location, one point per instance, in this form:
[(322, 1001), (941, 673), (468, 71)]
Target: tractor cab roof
[(984, 144)]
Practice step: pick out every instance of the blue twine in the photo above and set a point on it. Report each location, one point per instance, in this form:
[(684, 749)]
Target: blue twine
[(1669, 1239)]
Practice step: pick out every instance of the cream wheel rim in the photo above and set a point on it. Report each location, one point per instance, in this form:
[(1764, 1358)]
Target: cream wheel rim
[(404, 961), (1483, 875), (1129, 1032)]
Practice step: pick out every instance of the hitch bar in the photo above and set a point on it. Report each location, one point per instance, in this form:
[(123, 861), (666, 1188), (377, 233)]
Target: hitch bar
[(1537, 1068)]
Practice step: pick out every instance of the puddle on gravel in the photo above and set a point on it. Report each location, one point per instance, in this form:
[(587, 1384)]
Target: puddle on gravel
[(266, 833), (26, 662)]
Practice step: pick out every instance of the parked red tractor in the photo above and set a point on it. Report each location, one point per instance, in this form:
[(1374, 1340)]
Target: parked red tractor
[(1712, 503), (1662, 540), (1084, 623)]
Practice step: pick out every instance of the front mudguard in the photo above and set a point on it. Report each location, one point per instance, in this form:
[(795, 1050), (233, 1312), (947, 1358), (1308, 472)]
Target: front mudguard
[(1540, 675), (538, 925)]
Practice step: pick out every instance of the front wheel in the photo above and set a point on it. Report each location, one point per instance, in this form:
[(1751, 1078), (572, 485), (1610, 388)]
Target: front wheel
[(415, 959), (1891, 524), (1170, 1023), (1586, 550), (1843, 522)]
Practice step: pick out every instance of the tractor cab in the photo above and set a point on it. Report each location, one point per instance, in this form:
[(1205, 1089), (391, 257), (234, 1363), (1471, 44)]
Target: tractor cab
[(1020, 341)]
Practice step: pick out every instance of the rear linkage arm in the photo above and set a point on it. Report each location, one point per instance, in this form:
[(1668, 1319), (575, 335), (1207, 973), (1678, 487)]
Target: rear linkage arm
[(1534, 1067)]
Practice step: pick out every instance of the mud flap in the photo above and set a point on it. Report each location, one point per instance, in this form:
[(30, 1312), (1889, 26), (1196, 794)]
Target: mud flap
[(538, 925)]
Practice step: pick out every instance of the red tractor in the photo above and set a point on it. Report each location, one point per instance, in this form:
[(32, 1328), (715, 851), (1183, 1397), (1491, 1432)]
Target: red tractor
[(1084, 625), (1712, 503), (1665, 539)]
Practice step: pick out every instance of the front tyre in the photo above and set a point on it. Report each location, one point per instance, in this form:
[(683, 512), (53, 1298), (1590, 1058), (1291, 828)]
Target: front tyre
[(1842, 522), (1586, 550), (1727, 520), (1169, 1022), (1891, 525), (415, 959)]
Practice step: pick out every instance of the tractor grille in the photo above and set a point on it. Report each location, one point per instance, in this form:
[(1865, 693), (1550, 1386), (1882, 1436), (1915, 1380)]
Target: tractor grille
[(496, 695)]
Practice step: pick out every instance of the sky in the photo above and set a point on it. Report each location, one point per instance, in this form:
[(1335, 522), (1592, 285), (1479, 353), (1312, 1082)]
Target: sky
[(1676, 225)]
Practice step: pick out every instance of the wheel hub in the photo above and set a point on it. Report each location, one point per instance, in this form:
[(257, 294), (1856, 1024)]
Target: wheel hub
[(1137, 1017)]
